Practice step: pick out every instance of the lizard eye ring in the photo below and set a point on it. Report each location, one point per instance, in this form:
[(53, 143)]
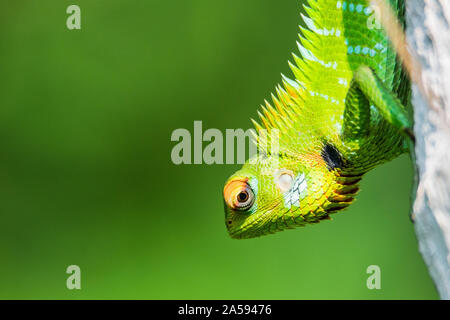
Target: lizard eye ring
[(238, 195)]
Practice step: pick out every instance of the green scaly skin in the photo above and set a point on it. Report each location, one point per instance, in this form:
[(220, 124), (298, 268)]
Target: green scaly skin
[(343, 115)]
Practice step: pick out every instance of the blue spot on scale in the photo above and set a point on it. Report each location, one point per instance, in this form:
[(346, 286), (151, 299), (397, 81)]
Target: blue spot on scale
[(357, 49), (351, 7), (350, 50), (359, 8)]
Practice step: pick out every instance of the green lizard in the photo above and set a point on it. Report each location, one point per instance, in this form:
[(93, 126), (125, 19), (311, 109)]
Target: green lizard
[(343, 115)]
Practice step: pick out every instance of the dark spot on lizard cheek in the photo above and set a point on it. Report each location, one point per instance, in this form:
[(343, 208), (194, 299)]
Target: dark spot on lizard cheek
[(332, 157)]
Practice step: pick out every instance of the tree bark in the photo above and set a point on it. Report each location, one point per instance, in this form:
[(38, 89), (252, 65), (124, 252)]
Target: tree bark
[(428, 37)]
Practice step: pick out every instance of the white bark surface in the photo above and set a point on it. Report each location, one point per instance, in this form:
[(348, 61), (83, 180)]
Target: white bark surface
[(428, 35)]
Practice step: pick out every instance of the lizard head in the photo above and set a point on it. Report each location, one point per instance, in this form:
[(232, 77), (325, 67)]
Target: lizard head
[(268, 195)]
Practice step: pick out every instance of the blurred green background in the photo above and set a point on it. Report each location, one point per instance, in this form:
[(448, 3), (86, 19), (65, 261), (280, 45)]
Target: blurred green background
[(86, 176)]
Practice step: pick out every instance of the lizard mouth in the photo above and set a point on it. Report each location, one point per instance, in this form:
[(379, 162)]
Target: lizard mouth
[(239, 234)]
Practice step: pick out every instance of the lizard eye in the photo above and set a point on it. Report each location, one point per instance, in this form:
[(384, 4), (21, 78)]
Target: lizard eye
[(238, 195)]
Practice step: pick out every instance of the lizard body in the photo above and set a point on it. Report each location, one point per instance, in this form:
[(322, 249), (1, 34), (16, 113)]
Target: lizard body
[(343, 115)]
